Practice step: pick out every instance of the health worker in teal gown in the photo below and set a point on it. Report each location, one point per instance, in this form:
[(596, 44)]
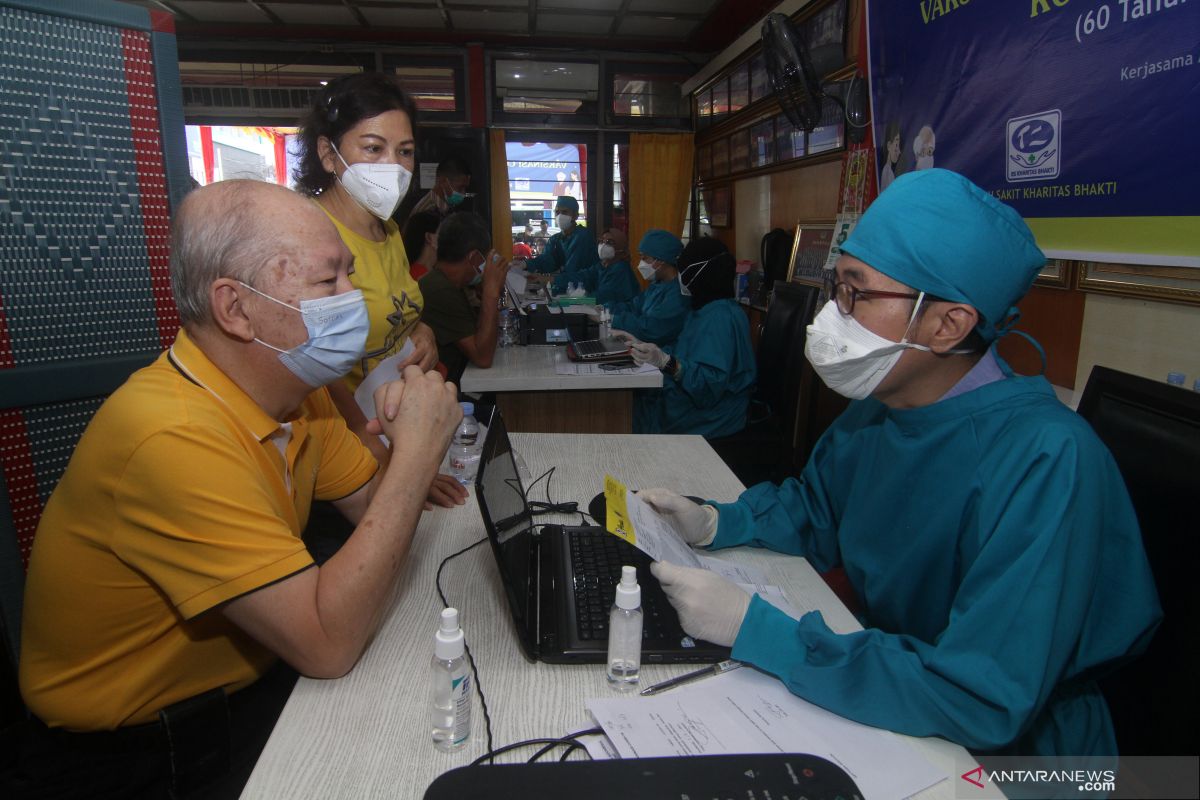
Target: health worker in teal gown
[(658, 313), (610, 279), (571, 249), (709, 373), (985, 529)]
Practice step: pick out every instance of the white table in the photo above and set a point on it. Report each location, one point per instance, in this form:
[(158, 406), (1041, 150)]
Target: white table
[(533, 397), (368, 734)]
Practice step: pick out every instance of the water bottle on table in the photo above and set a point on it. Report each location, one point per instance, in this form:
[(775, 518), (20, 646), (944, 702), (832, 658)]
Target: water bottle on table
[(464, 448), (625, 633)]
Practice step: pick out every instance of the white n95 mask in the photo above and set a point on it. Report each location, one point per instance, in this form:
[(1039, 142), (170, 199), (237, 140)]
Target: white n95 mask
[(646, 269), (378, 188), (606, 252), (850, 359), (564, 221), (337, 335)]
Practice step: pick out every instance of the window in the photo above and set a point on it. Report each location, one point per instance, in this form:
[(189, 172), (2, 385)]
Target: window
[(554, 91), (647, 96), (221, 152), (538, 174), (431, 88)]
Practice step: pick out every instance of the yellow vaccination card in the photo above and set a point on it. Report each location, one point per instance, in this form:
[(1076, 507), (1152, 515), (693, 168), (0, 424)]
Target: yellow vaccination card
[(616, 519)]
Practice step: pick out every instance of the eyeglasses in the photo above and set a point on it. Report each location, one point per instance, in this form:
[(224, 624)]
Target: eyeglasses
[(845, 295)]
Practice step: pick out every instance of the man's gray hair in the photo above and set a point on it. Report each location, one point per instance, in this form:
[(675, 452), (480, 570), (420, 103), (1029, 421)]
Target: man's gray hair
[(218, 232)]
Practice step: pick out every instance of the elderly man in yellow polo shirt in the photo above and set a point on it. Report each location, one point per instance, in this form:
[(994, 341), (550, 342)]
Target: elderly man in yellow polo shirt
[(168, 577)]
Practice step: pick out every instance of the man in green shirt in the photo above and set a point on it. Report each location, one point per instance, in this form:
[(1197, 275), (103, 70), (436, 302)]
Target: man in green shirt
[(464, 333)]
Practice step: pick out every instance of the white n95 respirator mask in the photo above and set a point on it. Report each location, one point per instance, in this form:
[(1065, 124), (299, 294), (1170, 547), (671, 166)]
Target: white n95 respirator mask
[(378, 188), (646, 269), (850, 359), (606, 252)]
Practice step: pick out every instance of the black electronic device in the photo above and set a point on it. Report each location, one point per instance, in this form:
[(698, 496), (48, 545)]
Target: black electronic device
[(559, 580), (598, 350), (544, 324), (798, 86), (756, 776)]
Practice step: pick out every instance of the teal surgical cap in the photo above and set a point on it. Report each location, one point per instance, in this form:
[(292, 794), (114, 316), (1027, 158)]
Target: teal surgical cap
[(661, 245), (939, 233), (567, 203)]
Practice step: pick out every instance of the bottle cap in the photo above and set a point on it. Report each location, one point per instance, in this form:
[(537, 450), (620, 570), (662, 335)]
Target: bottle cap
[(448, 642), (629, 594), (468, 409), (1175, 378)]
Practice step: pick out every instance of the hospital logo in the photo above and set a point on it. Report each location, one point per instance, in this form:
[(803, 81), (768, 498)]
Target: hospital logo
[(1034, 145)]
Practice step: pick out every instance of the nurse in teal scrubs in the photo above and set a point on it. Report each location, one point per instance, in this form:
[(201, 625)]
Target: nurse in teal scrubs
[(709, 372), (571, 249), (658, 313), (984, 527)]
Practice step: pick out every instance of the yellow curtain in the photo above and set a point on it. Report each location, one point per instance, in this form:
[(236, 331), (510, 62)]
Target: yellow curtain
[(660, 182), (501, 212)]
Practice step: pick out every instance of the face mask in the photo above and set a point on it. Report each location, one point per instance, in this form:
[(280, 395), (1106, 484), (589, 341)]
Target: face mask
[(564, 221), (683, 287), (455, 199), (850, 359), (607, 252), (337, 334), (376, 187), (646, 269)]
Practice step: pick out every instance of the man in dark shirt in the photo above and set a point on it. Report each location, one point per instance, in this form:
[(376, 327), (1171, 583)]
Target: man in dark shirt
[(464, 333)]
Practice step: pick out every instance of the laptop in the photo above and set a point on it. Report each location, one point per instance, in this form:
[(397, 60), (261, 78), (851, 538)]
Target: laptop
[(560, 579), (609, 348)]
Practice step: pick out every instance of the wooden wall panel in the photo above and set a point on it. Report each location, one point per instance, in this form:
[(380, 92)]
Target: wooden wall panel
[(1055, 318), (808, 193)]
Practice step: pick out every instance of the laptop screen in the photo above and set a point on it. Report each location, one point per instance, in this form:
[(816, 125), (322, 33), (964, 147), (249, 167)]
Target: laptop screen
[(509, 524)]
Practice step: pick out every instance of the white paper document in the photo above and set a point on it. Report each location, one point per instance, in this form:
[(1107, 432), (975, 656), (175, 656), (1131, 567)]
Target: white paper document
[(384, 372), (745, 711), (632, 519)]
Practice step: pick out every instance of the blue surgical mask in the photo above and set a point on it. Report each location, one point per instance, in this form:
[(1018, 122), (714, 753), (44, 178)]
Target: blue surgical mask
[(337, 335), (455, 199)]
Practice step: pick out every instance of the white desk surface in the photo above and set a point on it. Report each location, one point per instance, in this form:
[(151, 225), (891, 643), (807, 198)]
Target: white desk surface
[(531, 368), (368, 734)]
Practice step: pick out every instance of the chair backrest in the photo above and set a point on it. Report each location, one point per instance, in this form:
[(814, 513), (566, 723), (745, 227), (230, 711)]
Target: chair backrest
[(781, 352), (775, 253), (1153, 432), (84, 213)]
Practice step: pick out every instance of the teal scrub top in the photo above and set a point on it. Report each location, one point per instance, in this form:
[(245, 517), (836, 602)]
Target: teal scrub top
[(615, 283), (993, 546), (718, 372), (567, 253), (656, 315)]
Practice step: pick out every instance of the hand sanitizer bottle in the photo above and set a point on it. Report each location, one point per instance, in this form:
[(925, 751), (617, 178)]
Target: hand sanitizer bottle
[(451, 686), (625, 633)]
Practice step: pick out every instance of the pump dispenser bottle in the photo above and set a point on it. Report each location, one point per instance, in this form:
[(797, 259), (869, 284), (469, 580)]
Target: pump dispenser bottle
[(625, 633), (451, 686)]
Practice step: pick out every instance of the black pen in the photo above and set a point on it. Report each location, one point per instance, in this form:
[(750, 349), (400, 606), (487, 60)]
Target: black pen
[(716, 669)]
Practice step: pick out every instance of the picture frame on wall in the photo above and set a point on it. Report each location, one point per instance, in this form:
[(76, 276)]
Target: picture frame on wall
[(1166, 283), (810, 248), (1056, 273)]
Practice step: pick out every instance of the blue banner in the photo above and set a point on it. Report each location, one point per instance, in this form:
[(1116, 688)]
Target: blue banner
[(1083, 115)]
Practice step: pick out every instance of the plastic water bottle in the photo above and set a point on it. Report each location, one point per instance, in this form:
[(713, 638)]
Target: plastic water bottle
[(464, 449), (605, 323), (1176, 378), (625, 633), (451, 685)]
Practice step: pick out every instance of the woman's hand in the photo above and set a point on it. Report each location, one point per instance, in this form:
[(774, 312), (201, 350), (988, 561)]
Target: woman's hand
[(424, 354)]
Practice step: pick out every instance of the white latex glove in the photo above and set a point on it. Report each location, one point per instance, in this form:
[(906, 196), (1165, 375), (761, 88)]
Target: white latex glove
[(648, 353), (710, 607), (697, 524)]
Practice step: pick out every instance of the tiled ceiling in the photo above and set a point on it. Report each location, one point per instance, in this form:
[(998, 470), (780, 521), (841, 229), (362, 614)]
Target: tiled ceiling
[(694, 25)]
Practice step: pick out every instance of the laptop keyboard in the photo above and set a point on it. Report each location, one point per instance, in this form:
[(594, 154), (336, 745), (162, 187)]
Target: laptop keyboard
[(596, 560)]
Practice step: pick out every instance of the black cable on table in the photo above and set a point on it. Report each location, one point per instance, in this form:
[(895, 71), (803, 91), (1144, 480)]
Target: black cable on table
[(566, 740), (487, 719)]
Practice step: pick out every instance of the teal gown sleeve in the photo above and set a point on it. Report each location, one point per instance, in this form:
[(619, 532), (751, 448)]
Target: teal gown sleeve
[(1008, 649), (615, 283), (663, 312), (551, 258)]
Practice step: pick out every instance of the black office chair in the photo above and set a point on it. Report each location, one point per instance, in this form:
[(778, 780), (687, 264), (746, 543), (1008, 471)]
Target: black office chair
[(1153, 431), (763, 451), (774, 255)]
